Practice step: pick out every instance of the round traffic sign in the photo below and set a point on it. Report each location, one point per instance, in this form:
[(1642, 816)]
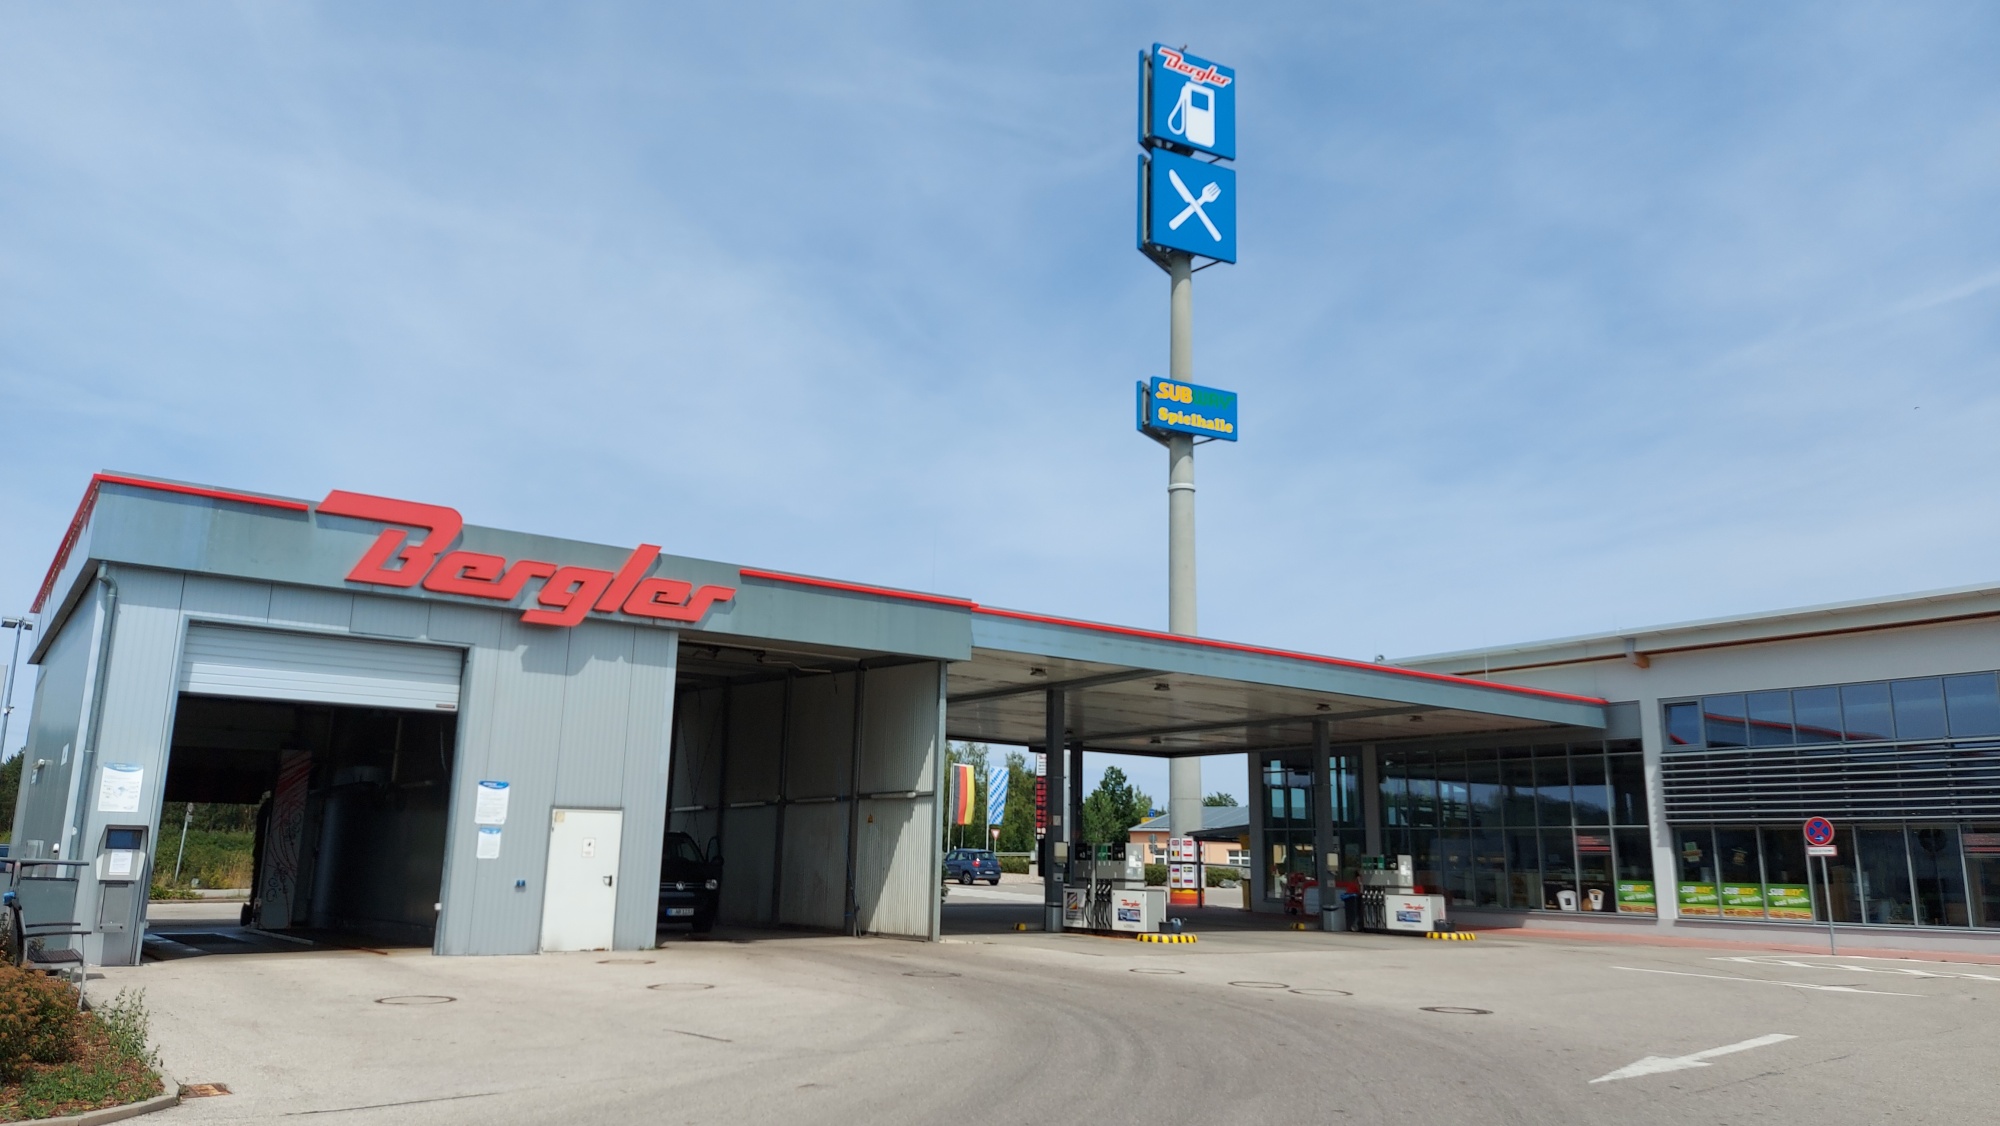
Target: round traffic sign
[(1819, 831)]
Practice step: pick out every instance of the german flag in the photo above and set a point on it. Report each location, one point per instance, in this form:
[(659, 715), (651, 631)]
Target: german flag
[(961, 793)]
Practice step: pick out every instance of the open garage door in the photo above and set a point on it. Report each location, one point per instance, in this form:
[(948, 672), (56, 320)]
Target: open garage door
[(261, 664), (338, 753)]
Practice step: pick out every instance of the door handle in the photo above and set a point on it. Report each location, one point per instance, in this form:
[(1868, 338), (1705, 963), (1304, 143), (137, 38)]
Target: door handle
[(607, 881)]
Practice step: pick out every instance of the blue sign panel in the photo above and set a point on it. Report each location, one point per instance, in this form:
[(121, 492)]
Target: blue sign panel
[(996, 794), (1187, 102), (1188, 205), (1170, 405)]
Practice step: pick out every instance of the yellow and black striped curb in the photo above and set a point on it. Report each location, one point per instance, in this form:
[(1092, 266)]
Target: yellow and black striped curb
[(1453, 936), (1166, 938)]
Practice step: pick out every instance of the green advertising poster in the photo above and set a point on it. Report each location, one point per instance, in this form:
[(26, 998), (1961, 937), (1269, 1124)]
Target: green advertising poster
[(1699, 899), (1637, 898), (1789, 901), (1743, 901)]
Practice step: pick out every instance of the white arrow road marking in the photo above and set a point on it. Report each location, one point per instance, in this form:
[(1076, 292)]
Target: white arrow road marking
[(1768, 981), (1654, 1065)]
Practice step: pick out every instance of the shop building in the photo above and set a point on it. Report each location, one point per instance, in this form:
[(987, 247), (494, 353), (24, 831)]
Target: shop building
[(1720, 739)]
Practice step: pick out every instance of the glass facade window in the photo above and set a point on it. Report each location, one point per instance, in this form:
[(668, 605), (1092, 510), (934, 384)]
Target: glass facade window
[(1628, 788), (1919, 708), (1972, 704), (1590, 793), (1816, 714), (1725, 722), (1684, 725), (1552, 786), (1864, 712), (1981, 848), (1770, 718), (1288, 826), (1483, 789), (1937, 874), (1885, 875)]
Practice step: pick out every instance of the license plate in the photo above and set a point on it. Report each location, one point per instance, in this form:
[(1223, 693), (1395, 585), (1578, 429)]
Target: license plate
[(676, 911)]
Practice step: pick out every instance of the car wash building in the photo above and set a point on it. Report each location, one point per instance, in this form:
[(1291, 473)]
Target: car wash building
[(476, 740)]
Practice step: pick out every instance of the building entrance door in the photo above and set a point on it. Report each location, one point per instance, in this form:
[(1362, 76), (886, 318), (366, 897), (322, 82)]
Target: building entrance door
[(580, 900)]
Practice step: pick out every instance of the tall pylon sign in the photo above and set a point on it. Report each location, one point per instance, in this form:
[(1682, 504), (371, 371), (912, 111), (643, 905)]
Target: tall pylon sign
[(1187, 213)]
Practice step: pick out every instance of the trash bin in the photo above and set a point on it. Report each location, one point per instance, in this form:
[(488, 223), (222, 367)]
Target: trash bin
[(1332, 917)]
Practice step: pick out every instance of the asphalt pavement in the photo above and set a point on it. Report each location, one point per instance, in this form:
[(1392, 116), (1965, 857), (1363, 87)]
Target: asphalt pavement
[(1030, 1027)]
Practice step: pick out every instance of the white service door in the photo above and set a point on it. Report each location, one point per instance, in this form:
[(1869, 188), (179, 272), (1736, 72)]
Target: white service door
[(580, 903)]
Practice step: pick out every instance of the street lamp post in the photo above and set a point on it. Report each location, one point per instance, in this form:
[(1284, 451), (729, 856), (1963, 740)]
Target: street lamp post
[(19, 625)]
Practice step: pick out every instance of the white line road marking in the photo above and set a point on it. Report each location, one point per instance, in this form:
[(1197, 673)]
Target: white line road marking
[(1654, 1065), (1768, 981), (1905, 971)]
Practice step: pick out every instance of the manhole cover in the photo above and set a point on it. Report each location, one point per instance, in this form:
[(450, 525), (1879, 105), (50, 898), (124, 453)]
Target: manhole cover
[(681, 986), (1150, 970), (1260, 985), (203, 1090), (929, 973), (416, 999), (1454, 1010), (625, 961), (1323, 992)]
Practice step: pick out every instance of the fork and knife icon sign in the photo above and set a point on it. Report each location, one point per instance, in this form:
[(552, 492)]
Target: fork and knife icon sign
[(1210, 192)]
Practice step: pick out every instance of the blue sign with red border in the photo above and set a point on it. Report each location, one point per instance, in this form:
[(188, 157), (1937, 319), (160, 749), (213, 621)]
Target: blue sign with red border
[(1819, 832)]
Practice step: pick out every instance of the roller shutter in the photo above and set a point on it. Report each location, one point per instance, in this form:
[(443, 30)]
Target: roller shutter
[(310, 668)]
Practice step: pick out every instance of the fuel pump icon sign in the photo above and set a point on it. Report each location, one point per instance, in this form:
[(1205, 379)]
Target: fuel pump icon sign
[(1193, 116)]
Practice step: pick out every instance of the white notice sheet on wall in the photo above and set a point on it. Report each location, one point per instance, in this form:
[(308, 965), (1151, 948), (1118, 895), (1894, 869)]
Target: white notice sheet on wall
[(118, 787), (489, 843), (491, 808)]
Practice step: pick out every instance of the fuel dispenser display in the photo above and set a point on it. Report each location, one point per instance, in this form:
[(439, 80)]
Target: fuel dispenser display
[(123, 876)]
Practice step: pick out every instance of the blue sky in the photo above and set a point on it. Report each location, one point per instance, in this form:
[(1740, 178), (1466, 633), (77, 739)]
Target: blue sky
[(1550, 318)]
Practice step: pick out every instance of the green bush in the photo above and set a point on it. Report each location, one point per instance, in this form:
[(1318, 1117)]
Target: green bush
[(110, 1066), (39, 1021), (1217, 874), (1156, 875), (218, 858), (1018, 865)]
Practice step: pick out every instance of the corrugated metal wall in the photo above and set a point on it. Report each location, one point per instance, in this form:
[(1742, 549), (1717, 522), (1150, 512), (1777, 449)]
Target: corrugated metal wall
[(770, 762)]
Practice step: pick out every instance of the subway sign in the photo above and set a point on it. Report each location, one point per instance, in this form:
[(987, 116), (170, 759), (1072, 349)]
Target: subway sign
[(1172, 407)]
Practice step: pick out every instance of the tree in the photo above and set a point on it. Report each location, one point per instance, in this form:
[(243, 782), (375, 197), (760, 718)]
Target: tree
[(1113, 808), (1220, 800), (10, 789)]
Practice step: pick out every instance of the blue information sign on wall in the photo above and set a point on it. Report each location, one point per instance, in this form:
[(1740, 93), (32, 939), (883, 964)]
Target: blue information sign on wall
[(1172, 406), (1187, 204), (1187, 102)]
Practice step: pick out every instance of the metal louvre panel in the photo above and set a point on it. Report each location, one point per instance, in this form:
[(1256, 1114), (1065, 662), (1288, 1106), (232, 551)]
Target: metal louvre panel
[(308, 668), (1876, 783)]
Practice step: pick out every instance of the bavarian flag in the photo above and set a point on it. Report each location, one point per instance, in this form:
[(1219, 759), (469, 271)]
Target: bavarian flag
[(961, 793)]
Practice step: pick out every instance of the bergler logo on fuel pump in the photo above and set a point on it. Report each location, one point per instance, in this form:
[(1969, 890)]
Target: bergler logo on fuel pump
[(568, 594)]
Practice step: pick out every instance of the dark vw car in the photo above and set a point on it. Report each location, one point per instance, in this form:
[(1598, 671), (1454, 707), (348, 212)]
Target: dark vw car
[(690, 882), (968, 864)]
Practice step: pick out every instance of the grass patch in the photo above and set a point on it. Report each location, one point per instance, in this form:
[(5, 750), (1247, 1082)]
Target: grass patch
[(104, 1061)]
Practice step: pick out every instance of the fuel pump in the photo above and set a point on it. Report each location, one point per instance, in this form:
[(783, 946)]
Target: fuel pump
[(123, 874)]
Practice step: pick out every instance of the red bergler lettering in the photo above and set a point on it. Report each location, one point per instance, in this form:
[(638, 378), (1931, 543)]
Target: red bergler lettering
[(567, 596), (572, 591), (441, 526), (670, 600), (484, 576)]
